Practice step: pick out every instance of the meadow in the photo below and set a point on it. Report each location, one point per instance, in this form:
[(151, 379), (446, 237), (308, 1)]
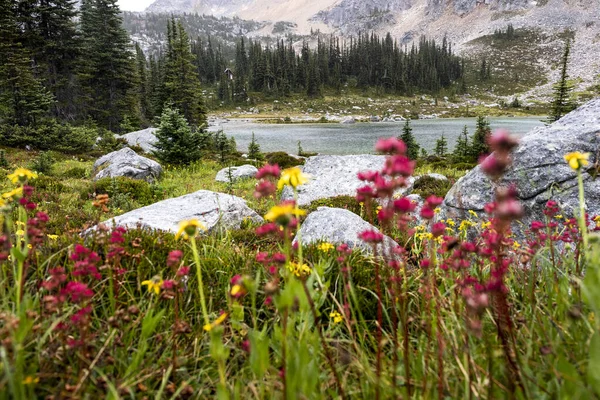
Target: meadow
[(460, 309)]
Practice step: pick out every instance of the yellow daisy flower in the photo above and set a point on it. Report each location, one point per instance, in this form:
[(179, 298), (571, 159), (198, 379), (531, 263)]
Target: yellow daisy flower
[(188, 228), (154, 284), (325, 247), (293, 177), (577, 160), (336, 317), (21, 175), (216, 322), (18, 192), (285, 210)]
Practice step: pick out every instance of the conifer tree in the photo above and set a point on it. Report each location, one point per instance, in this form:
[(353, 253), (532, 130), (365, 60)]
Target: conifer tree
[(177, 142), (181, 83), (23, 99), (108, 68), (254, 149), (479, 145), (412, 147), (441, 146), (562, 103), (143, 89), (462, 149)]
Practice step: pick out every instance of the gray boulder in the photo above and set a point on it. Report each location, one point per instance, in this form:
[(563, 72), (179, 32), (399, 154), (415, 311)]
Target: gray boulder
[(348, 121), (332, 176), (337, 226), (236, 173), (214, 210), (539, 170), (145, 139), (127, 163)]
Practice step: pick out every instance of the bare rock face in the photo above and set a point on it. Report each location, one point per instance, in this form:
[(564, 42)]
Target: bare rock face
[(236, 173), (127, 163), (539, 170), (144, 139), (214, 210), (339, 226)]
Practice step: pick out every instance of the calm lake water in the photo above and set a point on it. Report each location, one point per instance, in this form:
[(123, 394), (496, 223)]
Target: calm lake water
[(358, 138)]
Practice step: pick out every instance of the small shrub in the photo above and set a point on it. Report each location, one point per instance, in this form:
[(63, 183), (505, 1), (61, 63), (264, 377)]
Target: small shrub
[(426, 186), (43, 163), (3, 161), (282, 159), (76, 173), (137, 190), (45, 183)]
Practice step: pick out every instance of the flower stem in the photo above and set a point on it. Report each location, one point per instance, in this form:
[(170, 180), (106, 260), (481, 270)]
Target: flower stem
[(199, 277), (582, 224)]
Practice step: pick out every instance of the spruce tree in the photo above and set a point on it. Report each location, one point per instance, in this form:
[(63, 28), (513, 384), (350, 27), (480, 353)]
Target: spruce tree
[(562, 90), (23, 99), (441, 146), (143, 84), (479, 145), (181, 83), (254, 149), (412, 147), (461, 150), (177, 142), (108, 66)]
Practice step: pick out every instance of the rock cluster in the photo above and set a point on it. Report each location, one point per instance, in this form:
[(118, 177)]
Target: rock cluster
[(127, 163)]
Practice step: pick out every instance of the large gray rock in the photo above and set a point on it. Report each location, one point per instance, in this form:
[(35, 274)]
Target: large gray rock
[(337, 226), (127, 163), (236, 173), (145, 139), (332, 176), (214, 210), (539, 170)]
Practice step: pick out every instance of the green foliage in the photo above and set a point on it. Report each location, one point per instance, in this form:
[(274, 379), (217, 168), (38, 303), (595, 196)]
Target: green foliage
[(134, 189), (254, 152), (462, 150), (43, 163), (409, 140), (76, 173), (3, 161), (50, 136), (177, 142), (426, 186), (479, 142), (441, 146), (282, 159), (562, 103)]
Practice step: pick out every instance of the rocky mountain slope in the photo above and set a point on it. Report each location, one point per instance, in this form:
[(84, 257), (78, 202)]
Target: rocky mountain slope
[(461, 21)]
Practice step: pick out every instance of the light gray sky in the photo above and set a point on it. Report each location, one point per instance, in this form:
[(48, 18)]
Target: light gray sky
[(134, 5)]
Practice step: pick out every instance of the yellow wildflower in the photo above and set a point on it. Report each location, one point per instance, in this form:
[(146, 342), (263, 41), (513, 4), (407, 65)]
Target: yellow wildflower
[(21, 175), (52, 237), (293, 177), (465, 224), (188, 228), (336, 317), (516, 245), (325, 247), (437, 210), (236, 289), (283, 212), (30, 380), (216, 322), (18, 192), (154, 284), (577, 160), (473, 213), (450, 222), (559, 216), (20, 232), (485, 225), (298, 270), (2, 203)]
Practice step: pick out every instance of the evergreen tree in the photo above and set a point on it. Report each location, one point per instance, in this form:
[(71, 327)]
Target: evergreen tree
[(254, 149), (181, 83), (562, 103), (143, 89), (462, 150), (108, 68), (412, 147), (441, 146), (23, 99), (177, 142), (479, 145)]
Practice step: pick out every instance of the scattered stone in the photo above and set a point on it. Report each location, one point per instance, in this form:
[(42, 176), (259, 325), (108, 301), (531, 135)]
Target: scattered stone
[(339, 226), (333, 176), (214, 210), (348, 121), (375, 118), (145, 139), (128, 163), (236, 173), (539, 171)]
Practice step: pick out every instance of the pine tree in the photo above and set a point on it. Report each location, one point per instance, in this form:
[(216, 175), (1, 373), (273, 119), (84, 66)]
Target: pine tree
[(412, 147), (441, 146), (23, 99), (177, 142), (143, 84), (462, 150), (479, 145), (562, 90), (108, 70), (182, 86), (254, 149)]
